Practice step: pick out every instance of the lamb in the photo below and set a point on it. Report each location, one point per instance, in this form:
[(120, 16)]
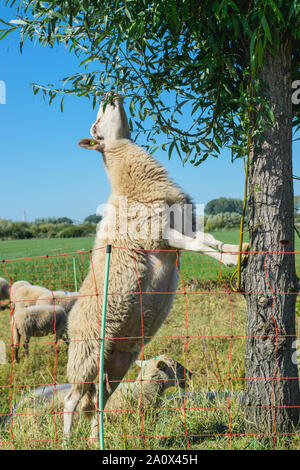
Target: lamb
[(139, 264), (4, 289), (37, 321), (64, 299)]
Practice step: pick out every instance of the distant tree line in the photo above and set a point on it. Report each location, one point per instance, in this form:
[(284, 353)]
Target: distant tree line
[(225, 214), (50, 227), (219, 214)]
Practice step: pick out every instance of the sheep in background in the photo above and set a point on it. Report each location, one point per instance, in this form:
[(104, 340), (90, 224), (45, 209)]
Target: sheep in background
[(64, 299), (37, 321), (25, 295), (139, 264), (4, 289), (16, 285)]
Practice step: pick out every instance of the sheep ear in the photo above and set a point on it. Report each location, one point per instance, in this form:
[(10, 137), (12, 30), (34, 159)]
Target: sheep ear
[(160, 364), (91, 144)]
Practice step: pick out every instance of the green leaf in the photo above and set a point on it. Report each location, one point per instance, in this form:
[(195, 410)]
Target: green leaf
[(266, 29)]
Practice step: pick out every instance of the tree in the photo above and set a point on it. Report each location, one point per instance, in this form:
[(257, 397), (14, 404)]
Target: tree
[(226, 66), (93, 218), (224, 204)]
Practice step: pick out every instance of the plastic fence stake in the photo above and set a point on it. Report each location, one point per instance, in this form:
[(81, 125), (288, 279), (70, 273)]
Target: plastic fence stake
[(75, 275), (101, 368)]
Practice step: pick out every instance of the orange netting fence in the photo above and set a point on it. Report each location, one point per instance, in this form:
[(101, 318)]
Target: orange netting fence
[(204, 332)]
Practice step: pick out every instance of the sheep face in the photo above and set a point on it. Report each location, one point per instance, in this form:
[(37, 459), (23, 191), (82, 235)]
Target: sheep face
[(111, 124), (165, 369)]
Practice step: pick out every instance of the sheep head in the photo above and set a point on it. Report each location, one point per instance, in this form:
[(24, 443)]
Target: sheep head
[(166, 369), (111, 123)]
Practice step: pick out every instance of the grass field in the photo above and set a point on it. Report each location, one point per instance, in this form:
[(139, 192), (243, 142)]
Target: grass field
[(214, 322)]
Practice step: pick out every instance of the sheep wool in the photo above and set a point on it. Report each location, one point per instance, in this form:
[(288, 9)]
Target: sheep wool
[(4, 289)]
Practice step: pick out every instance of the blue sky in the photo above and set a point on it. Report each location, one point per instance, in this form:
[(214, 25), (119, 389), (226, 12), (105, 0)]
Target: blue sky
[(45, 173)]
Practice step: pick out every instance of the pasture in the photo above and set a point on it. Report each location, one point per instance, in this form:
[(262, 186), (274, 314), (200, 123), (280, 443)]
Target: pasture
[(205, 331)]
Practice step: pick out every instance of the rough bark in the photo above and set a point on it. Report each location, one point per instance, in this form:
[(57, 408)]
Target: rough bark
[(270, 280)]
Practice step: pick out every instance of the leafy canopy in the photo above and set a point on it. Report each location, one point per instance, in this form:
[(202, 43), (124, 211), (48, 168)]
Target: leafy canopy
[(173, 58)]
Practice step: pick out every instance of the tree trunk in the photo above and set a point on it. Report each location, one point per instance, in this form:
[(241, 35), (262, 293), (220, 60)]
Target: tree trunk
[(270, 280)]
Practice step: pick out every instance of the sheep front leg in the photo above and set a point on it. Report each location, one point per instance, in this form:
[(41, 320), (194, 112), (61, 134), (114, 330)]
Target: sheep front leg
[(116, 365), (71, 402), (209, 240), (182, 242), (16, 343)]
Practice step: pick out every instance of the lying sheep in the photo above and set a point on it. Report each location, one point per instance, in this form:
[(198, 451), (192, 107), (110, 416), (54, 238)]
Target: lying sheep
[(25, 295), (158, 375), (4, 289), (37, 321), (64, 299), (139, 263)]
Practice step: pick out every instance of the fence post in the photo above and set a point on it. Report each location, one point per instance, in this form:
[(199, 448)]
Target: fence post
[(75, 275), (101, 367)]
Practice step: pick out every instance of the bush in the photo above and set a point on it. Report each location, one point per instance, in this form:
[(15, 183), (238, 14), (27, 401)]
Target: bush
[(225, 220), (224, 205), (82, 230), (94, 219)]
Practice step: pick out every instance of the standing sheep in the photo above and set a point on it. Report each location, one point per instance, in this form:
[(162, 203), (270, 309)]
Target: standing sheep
[(26, 295), (4, 289), (37, 321), (66, 300), (16, 285), (139, 265)]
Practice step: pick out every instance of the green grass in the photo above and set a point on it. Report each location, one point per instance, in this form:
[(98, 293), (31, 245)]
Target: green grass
[(13, 249), (194, 267), (210, 351)]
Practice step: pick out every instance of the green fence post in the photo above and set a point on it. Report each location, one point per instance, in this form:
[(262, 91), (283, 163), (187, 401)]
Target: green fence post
[(101, 368), (75, 275)]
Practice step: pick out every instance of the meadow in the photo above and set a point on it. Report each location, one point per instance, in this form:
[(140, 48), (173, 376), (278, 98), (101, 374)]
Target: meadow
[(204, 331)]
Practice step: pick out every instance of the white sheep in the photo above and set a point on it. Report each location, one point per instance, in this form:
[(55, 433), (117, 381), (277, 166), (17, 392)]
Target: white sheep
[(25, 295), (37, 321), (138, 264), (16, 285), (157, 374), (4, 289), (64, 299)]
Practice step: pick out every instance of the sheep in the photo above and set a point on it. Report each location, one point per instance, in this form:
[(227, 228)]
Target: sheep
[(139, 264), (26, 295), (158, 374), (64, 299), (37, 321), (16, 285), (4, 289)]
